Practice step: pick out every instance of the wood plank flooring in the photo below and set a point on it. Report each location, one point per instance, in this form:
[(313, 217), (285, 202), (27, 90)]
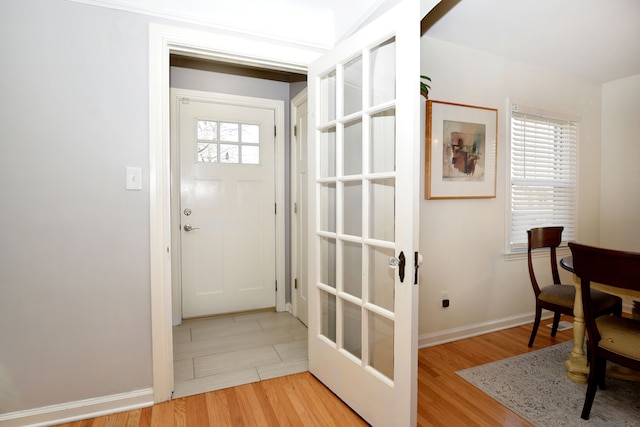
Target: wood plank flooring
[(444, 399)]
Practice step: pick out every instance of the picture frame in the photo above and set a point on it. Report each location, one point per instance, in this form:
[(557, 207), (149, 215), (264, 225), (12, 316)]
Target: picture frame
[(461, 151)]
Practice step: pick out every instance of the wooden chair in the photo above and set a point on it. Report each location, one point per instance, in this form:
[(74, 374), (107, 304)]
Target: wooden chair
[(558, 297), (613, 338)]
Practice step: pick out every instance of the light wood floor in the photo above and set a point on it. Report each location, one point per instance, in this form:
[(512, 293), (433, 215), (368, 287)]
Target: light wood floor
[(444, 399), (215, 353)]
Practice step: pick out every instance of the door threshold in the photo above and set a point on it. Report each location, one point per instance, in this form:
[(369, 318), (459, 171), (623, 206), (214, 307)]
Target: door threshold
[(237, 313)]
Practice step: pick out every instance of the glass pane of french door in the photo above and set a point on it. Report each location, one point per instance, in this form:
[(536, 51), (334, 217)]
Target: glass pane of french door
[(356, 179)]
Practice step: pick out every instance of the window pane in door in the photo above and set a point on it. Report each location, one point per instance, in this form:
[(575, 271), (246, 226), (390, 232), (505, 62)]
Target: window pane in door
[(352, 268), (353, 148), (328, 261), (328, 153), (352, 328), (353, 86), (229, 132), (328, 207), (381, 278), (352, 208), (382, 72), (207, 153), (327, 92), (328, 315), (207, 130), (381, 344), (382, 209), (383, 142), (229, 153), (250, 154), (250, 134)]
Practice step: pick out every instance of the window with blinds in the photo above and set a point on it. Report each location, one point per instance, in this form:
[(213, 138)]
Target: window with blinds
[(543, 174)]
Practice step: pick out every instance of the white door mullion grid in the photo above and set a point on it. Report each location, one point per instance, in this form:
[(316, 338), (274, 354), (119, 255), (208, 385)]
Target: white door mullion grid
[(339, 172), (366, 189)]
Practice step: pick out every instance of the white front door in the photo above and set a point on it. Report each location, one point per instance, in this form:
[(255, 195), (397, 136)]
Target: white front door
[(227, 207), (299, 216), (364, 169)]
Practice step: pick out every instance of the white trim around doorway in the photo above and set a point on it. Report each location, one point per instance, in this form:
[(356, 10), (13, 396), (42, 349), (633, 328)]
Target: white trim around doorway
[(164, 40)]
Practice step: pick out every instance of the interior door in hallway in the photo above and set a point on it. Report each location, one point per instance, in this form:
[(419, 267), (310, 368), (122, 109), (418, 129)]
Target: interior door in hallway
[(299, 215), (227, 207)]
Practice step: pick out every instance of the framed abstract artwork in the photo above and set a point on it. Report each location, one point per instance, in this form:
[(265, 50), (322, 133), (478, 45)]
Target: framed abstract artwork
[(461, 151)]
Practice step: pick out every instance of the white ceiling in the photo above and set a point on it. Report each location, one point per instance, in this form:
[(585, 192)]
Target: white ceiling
[(313, 23), (596, 39)]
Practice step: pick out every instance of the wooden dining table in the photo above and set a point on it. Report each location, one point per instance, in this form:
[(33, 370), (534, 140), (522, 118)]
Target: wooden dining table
[(577, 365)]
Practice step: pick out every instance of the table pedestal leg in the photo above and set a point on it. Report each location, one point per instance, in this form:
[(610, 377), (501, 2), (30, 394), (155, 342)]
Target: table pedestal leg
[(577, 367)]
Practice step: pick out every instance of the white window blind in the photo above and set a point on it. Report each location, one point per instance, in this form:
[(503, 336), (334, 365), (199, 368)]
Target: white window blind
[(543, 175)]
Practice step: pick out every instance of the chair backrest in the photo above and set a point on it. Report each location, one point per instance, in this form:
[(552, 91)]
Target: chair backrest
[(544, 237), (607, 266)]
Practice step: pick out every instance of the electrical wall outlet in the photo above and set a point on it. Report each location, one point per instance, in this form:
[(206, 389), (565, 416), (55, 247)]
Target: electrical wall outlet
[(445, 299)]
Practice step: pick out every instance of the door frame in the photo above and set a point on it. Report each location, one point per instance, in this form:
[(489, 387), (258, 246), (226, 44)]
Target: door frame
[(297, 251), (164, 40), (277, 106)]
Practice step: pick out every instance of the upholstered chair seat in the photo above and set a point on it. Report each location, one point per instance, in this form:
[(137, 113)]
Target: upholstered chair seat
[(620, 335), (565, 295)]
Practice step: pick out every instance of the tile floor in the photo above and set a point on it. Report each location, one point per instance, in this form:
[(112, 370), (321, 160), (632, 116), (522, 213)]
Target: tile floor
[(215, 353)]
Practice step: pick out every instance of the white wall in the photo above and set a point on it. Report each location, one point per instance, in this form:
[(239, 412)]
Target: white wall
[(75, 307), (463, 240), (75, 318), (620, 191)]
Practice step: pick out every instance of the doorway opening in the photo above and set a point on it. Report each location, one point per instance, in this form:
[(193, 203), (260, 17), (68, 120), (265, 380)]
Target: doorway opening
[(213, 350), (164, 41)]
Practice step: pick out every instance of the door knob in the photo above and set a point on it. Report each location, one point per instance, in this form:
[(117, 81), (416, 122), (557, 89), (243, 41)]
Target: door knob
[(399, 263), (188, 227)]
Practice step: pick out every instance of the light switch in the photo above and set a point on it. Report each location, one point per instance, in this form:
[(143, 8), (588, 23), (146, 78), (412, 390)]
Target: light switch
[(133, 179)]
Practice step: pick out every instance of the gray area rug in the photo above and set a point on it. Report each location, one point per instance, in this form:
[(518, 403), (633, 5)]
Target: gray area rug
[(535, 386)]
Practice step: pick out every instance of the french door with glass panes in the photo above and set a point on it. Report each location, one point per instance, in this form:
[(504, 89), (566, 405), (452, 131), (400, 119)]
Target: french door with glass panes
[(364, 155)]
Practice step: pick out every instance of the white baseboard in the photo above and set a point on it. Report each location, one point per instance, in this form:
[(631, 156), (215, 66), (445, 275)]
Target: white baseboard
[(454, 334), (79, 410)]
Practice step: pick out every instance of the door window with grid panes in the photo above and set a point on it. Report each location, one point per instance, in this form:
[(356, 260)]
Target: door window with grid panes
[(224, 142)]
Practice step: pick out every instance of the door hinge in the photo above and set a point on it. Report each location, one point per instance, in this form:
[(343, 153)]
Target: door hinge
[(295, 208), (275, 208), (276, 286), (295, 283), (275, 131), (295, 130)]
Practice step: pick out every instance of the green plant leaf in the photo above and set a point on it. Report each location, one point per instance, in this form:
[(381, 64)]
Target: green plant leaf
[(424, 88)]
